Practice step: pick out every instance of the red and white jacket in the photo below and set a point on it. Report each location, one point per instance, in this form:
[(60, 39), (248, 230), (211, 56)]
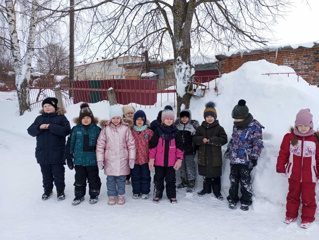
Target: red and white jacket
[(299, 162)]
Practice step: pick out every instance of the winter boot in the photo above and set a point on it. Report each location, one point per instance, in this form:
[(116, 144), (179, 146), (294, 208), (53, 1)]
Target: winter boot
[(232, 204), (60, 195), (120, 199), (190, 186), (183, 184), (93, 199), (289, 220), (173, 200), (47, 194), (216, 188), (112, 200), (158, 196), (207, 187), (305, 224), (77, 200), (244, 207)]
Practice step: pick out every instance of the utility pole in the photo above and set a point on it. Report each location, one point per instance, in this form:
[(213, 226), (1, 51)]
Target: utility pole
[(71, 55)]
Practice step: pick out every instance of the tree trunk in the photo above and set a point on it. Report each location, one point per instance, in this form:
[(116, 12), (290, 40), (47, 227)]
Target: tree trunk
[(23, 97)]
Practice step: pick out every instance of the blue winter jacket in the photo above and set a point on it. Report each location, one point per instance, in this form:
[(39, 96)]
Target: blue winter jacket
[(83, 144), (50, 142)]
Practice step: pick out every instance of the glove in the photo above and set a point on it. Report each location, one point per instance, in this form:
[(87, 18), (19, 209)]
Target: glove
[(70, 163), (227, 154), (252, 163), (100, 165), (151, 164), (131, 163), (178, 164)]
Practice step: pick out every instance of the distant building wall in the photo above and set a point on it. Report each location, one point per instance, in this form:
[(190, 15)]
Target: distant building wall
[(302, 60)]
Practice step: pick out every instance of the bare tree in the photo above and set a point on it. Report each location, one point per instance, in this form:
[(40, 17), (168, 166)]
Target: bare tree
[(176, 28)]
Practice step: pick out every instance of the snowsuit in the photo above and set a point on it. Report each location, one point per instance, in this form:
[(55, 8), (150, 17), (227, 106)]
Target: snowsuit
[(50, 146), (140, 174), (82, 146), (166, 147), (210, 154), (301, 164), (116, 148), (244, 148), (188, 168)]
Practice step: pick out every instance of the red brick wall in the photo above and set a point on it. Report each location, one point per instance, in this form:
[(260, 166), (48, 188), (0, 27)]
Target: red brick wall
[(302, 60)]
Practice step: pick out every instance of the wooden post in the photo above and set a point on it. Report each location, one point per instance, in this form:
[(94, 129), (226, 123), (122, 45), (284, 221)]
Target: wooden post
[(111, 96), (58, 95)]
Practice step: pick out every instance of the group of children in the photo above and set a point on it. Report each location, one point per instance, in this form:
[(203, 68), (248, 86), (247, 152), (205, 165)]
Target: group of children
[(128, 146)]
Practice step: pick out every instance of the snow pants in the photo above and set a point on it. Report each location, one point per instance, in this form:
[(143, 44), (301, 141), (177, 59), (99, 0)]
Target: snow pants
[(167, 173), (53, 173), (141, 179), (188, 168), (306, 192), (240, 173), (84, 174)]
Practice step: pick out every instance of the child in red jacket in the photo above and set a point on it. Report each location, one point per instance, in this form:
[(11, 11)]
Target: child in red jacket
[(299, 160)]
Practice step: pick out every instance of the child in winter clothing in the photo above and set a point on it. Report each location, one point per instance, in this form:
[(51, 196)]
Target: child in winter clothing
[(158, 121), (187, 128), (50, 129), (166, 154), (299, 160), (210, 136), (128, 114), (81, 147), (141, 176), (115, 152), (243, 150)]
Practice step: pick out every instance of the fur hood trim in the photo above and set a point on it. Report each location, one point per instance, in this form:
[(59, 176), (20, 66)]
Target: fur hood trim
[(59, 111), (104, 123), (76, 120)]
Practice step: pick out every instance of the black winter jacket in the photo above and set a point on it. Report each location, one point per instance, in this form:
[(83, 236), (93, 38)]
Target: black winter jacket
[(50, 142)]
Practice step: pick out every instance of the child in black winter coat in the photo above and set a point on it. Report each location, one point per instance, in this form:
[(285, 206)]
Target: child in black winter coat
[(210, 136), (50, 130)]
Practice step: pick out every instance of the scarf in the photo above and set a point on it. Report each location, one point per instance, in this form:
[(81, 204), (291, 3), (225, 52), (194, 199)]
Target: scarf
[(140, 129), (309, 133), (167, 132), (244, 124)]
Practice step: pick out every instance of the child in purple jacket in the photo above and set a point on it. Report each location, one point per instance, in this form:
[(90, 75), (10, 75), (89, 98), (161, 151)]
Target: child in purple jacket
[(166, 154)]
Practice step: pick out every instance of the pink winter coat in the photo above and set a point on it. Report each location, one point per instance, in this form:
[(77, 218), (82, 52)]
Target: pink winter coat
[(116, 148)]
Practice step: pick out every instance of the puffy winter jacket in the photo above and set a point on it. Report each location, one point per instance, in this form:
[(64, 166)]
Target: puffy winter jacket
[(116, 147), (246, 144), (166, 152), (299, 162), (83, 144), (51, 141), (142, 140)]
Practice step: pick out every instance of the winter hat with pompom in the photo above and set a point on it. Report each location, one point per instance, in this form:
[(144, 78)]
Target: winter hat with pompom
[(240, 111), (210, 110), (115, 111), (167, 114), (85, 111)]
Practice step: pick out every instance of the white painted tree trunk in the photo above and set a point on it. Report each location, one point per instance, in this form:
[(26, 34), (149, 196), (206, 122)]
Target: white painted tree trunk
[(22, 67)]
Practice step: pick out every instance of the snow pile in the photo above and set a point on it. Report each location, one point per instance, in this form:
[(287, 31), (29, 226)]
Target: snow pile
[(273, 100)]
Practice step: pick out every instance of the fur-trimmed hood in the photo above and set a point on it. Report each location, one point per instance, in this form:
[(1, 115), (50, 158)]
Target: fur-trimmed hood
[(77, 120), (59, 111), (104, 122)]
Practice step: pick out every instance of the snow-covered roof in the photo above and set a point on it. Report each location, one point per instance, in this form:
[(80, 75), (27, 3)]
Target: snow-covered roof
[(149, 74)]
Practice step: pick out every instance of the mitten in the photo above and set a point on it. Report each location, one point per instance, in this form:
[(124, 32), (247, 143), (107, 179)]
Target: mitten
[(227, 154), (252, 163), (70, 163), (178, 164), (100, 165), (131, 163)]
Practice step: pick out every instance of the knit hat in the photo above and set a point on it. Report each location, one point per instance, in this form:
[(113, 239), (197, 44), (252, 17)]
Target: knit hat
[(240, 111), (185, 113), (52, 101), (210, 110), (168, 107), (304, 117), (139, 114), (85, 111), (128, 109), (115, 111), (167, 114)]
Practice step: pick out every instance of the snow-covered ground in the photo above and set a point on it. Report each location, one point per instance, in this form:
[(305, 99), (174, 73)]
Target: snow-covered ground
[(273, 100)]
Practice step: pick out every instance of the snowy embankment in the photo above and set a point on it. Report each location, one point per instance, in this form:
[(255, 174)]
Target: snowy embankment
[(273, 100)]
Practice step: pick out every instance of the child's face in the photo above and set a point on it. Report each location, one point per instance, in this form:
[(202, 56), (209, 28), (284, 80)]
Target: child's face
[(48, 108), (116, 120), (139, 122), (238, 120), (168, 122), (303, 128), (86, 120), (210, 119), (184, 119), (129, 115)]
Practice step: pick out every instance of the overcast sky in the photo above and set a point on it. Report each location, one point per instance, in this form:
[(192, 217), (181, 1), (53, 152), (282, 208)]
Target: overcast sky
[(300, 25)]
